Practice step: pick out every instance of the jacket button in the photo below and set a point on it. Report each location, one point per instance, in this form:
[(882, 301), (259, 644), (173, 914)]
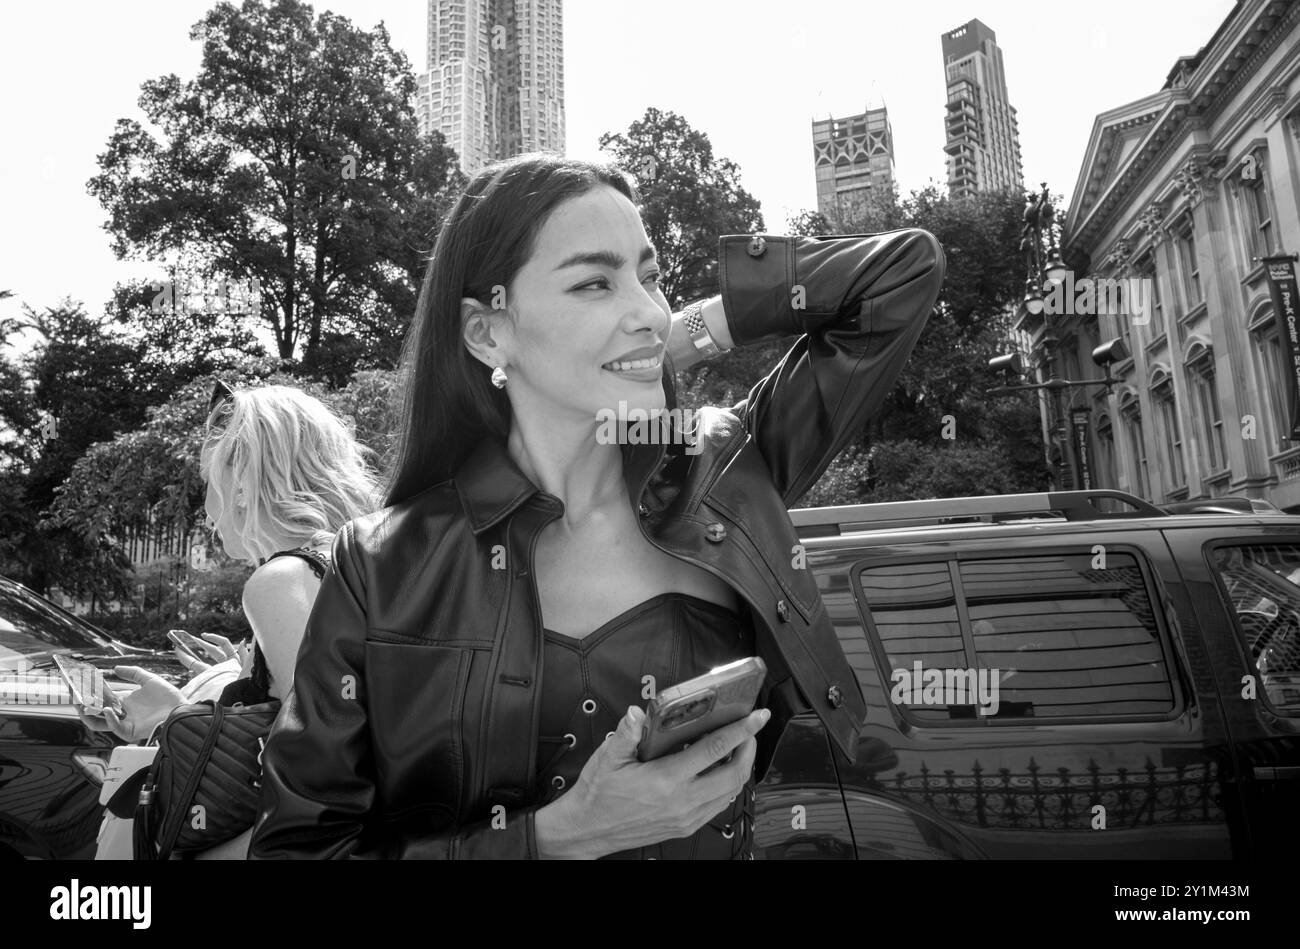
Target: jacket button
[(715, 533), (783, 611), (835, 696), (756, 246)]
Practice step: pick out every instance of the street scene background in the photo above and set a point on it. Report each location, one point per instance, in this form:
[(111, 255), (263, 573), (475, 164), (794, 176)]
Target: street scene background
[(271, 231)]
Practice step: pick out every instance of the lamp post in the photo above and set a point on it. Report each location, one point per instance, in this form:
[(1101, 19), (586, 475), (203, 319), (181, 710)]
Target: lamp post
[(1044, 269), (1042, 264)]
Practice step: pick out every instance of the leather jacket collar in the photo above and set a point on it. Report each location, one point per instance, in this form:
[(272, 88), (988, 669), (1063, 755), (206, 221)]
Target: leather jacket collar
[(491, 486)]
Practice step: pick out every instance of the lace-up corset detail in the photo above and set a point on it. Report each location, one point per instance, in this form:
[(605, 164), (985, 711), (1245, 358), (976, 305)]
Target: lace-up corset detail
[(588, 684)]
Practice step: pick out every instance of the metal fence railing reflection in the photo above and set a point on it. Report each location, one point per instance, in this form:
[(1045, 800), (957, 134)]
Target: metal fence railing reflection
[(1061, 800)]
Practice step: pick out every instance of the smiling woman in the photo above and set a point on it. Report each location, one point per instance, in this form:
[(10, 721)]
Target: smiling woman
[(462, 685)]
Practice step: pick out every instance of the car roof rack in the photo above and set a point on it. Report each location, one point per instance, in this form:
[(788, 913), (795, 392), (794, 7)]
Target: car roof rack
[(1232, 505), (991, 509)]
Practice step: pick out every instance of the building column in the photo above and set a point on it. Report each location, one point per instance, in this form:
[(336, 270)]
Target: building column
[(1221, 279)]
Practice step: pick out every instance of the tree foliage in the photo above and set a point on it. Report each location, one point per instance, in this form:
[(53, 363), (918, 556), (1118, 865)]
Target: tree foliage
[(689, 198), (80, 383), (291, 160)]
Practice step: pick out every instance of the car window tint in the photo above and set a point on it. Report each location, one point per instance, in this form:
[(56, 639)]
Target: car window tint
[(1070, 634), (914, 610), (1052, 636), (27, 626), (1262, 585)]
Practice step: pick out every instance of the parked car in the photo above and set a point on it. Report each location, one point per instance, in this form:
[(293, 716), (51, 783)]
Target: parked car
[(1147, 666), (51, 766)]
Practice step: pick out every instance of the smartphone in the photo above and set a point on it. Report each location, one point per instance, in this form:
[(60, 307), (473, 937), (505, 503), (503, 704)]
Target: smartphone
[(86, 683), (678, 716), (183, 639)]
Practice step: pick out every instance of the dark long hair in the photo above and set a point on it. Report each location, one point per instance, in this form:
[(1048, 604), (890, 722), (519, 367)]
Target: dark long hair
[(448, 401)]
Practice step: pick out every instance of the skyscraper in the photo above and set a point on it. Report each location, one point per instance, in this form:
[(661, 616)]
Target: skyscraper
[(495, 80), (853, 159), (983, 143)]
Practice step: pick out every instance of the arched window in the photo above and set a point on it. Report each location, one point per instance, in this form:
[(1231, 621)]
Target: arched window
[(1106, 449), (1131, 412), (1205, 407), (1171, 435), (1270, 365)]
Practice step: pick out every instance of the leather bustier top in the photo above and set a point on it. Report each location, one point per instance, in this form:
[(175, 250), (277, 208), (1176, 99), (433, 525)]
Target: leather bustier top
[(590, 683)]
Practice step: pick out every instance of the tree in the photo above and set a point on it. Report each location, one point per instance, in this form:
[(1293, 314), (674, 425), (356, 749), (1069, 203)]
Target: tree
[(185, 335), (689, 199), (78, 385), (291, 160)]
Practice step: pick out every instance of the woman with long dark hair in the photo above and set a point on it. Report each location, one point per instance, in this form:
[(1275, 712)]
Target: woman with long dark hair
[(474, 664)]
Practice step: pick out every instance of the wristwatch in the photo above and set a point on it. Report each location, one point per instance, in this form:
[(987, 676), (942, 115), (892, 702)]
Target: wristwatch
[(699, 333)]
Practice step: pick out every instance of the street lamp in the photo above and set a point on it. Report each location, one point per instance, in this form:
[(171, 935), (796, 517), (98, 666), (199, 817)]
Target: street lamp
[(1040, 268)]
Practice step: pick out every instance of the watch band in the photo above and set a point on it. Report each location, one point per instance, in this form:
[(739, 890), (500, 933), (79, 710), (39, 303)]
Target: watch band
[(699, 333)]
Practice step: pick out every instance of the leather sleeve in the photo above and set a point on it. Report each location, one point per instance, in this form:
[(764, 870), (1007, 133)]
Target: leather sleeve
[(860, 302), (318, 781)]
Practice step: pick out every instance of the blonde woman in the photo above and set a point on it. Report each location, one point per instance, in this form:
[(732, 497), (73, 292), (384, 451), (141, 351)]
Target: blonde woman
[(283, 474)]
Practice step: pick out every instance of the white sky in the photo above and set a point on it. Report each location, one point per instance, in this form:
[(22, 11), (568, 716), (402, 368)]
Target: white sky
[(752, 74)]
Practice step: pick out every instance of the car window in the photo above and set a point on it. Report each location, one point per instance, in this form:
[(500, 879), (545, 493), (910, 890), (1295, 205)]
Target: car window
[(1053, 636), (914, 608), (1261, 583), (29, 626)]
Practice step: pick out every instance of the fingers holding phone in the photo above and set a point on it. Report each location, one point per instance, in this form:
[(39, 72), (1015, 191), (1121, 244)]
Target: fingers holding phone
[(195, 650), (642, 787), (225, 649)]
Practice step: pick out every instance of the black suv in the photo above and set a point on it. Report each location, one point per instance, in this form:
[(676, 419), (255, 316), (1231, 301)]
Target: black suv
[(1068, 675), (51, 766)]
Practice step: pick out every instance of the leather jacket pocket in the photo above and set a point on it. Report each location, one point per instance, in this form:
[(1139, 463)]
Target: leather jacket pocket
[(417, 697)]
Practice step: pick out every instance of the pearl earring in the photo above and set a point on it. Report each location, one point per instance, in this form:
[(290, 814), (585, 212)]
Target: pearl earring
[(499, 377)]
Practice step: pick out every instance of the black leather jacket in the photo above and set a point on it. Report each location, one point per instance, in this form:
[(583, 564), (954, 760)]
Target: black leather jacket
[(412, 727)]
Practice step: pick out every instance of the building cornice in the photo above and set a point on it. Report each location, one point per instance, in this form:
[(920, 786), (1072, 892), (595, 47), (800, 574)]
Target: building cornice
[(1187, 108)]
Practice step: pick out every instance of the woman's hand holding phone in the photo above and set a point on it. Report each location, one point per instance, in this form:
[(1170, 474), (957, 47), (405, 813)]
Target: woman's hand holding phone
[(619, 803), (197, 654), (143, 710)]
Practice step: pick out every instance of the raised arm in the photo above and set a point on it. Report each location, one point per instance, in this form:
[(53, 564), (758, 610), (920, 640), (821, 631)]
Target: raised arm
[(860, 303)]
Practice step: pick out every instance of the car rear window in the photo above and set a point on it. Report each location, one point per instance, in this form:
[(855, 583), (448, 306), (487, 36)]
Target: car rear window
[(1061, 635)]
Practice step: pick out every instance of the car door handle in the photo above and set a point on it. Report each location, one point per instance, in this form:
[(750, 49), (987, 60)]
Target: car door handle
[(1285, 773)]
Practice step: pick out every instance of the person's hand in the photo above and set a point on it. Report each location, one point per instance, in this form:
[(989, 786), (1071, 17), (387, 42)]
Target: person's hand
[(245, 653), (217, 647), (186, 658), (210, 648), (144, 709), (619, 803)]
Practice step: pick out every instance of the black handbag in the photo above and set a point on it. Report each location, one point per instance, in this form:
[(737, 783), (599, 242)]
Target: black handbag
[(203, 787)]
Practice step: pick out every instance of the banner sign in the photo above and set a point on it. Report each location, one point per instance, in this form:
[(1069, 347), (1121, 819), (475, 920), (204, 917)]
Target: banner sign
[(1082, 457), (1282, 288)]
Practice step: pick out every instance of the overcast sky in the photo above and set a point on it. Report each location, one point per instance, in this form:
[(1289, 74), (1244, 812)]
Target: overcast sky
[(752, 74)]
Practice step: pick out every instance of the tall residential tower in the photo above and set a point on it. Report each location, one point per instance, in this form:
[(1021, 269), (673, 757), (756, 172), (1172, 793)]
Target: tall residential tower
[(983, 143), (495, 80), (853, 159)]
